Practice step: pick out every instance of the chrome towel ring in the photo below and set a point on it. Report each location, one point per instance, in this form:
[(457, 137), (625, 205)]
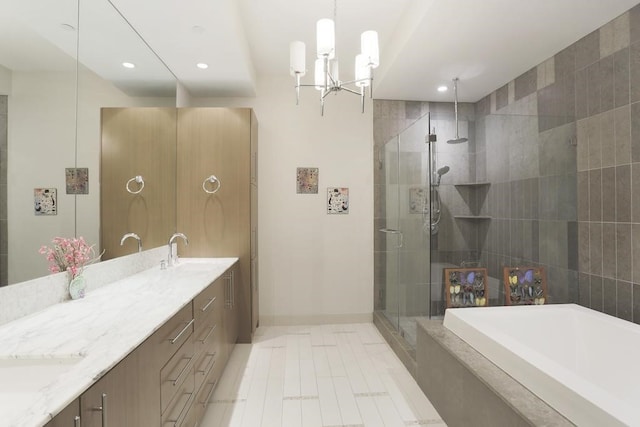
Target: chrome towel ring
[(215, 183), (139, 180)]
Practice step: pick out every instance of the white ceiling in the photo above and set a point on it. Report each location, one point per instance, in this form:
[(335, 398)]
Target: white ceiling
[(424, 43)]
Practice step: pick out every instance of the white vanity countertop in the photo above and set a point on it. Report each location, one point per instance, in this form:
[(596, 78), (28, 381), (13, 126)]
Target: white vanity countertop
[(90, 336)]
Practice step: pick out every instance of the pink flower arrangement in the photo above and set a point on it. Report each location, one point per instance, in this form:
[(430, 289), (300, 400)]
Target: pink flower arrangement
[(69, 255)]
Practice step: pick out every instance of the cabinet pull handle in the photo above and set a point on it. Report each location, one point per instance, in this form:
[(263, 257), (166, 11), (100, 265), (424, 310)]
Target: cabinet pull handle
[(184, 369), (209, 334), (182, 413), (206, 400), (76, 421), (103, 409), (213, 356), (173, 341), (227, 291), (233, 289), (206, 307)]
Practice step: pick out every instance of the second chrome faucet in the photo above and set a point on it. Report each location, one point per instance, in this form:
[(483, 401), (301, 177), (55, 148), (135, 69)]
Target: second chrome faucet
[(172, 258)]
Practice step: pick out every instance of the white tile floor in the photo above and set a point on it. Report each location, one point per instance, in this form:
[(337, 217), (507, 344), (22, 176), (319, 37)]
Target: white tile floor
[(328, 375)]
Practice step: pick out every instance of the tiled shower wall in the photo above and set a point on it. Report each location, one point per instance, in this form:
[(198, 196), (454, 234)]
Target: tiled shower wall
[(607, 76), (4, 276), (586, 225), (560, 147)]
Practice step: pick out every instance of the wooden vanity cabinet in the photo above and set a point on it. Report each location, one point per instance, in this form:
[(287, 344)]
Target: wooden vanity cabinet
[(69, 417), (222, 142), (169, 379)]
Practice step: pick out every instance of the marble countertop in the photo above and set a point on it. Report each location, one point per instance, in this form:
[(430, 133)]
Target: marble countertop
[(76, 342)]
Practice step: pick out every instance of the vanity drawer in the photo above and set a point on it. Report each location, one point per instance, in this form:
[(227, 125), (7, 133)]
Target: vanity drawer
[(176, 377), (210, 300), (205, 393), (169, 338), (207, 333), (180, 409), (205, 362)]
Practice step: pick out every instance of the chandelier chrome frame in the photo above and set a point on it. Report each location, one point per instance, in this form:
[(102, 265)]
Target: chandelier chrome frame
[(326, 65)]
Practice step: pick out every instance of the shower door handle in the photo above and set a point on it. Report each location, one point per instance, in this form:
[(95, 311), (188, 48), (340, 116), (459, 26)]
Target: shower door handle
[(394, 231)]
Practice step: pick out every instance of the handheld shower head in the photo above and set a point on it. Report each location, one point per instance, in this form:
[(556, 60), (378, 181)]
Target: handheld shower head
[(443, 170)]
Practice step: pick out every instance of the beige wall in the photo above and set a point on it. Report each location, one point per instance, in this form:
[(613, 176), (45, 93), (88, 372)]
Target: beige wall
[(313, 267)]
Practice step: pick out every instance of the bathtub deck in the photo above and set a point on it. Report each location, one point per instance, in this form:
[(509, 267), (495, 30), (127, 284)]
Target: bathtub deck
[(449, 370)]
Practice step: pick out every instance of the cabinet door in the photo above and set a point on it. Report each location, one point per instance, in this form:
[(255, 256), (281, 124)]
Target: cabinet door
[(137, 142), (68, 417), (103, 405), (212, 141)]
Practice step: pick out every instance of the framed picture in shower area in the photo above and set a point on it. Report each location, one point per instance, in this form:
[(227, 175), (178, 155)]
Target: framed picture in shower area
[(466, 287), (525, 286), (418, 200)]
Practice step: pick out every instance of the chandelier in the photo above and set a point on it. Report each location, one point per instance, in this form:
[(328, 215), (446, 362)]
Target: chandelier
[(327, 79)]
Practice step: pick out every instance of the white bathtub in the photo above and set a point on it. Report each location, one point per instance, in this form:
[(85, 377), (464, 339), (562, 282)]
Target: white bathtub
[(583, 363)]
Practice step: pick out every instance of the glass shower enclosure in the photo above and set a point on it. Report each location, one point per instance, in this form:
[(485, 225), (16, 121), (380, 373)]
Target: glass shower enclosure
[(410, 209)]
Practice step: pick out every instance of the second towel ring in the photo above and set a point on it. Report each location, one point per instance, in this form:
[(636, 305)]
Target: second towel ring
[(214, 181), (139, 180)]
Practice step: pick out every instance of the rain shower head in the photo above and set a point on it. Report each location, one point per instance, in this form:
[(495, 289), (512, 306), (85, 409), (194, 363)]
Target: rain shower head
[(457, 139)]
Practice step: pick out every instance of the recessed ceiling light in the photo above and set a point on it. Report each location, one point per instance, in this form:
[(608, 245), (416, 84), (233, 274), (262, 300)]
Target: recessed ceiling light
[(202, 65), (68, 27), (128, 65), (442, 88)]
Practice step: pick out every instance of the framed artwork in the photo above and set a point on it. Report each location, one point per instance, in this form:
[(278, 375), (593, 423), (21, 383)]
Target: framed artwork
[(337, 200), (525, 285), (418, 200), (307, 180), (45, 201), (466, 287), (77, 180)]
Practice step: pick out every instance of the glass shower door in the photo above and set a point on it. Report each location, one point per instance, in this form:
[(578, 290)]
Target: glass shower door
[(391, 235), (407, 228), (414, 220)]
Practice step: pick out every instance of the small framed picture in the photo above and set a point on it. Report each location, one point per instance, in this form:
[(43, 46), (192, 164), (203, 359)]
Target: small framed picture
[(307, 180), (337, 200), (77, 180), (45, 201)]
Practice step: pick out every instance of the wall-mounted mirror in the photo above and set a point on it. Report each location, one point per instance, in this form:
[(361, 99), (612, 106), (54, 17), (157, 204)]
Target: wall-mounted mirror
[(53, 104)]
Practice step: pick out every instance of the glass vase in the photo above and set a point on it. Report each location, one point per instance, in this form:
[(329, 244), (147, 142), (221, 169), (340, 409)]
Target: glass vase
[(77, 287)]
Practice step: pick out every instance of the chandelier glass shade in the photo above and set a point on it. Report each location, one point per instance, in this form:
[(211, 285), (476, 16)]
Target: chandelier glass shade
[(326, 70)]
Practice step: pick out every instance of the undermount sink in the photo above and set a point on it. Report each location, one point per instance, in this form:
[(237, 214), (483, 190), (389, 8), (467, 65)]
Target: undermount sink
[(22, 378)]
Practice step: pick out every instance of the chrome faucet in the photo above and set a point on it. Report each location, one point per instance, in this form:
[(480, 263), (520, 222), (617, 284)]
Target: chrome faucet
[(171, 259), (133, 236)]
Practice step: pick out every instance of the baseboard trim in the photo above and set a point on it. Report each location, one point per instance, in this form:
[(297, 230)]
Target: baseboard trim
[(316, 319)]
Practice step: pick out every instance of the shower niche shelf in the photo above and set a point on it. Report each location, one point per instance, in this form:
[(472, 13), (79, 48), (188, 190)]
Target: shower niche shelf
[(472, 184), (473, 217)]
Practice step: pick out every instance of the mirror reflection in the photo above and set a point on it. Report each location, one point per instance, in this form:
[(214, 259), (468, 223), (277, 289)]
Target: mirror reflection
[(61, 63)]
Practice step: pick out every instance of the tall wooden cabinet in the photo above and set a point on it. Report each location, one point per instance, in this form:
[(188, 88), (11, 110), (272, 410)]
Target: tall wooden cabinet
[(177, 151), (137, 142), (221, 142)]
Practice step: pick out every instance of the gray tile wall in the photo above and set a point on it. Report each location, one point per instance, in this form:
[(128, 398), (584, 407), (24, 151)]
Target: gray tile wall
[(607, 70), (4, 275), (560, 146)]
